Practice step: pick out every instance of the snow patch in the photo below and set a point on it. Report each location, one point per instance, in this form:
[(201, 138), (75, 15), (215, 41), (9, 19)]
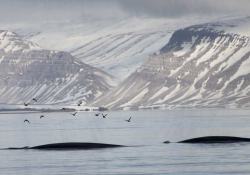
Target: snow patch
[(185, 47), (136, 99)]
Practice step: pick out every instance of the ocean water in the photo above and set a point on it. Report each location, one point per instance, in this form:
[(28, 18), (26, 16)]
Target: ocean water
[(144, 135)]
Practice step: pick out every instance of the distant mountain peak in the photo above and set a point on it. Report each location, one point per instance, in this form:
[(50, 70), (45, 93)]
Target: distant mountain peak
[(53, 77), (11, 42)]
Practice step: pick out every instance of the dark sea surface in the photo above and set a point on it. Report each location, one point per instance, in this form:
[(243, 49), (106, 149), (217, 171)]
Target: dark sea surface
[(145, 135)]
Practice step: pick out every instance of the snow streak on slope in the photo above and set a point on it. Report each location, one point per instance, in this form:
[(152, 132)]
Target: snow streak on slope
[(117, 46), (201, 66), (29, 71)]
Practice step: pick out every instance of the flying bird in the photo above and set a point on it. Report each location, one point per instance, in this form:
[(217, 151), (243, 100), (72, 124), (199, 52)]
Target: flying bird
[(34, 99), (74, 114), (104, 116), (26, 104), (26, 121), (128, 120), (79, 104), (97, 114), (41, 116)]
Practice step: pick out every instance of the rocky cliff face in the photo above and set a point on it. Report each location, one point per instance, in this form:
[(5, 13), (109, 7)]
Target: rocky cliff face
[(28, 71), (201, 66)]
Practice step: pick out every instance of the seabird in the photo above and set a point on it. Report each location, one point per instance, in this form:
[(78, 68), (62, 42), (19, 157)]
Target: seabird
[(79, 104), (104, 116), (41, 116), (128, 120), (26, 121), (97, 114), (26, 104), (34, 99), (63, 108), (74, 114)]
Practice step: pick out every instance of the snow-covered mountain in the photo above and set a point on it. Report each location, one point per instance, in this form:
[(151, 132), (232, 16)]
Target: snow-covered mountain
[(117, 46), (29, 71), (204, 65)]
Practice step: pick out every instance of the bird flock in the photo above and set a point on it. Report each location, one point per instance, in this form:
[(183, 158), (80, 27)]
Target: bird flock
[(73, 114)]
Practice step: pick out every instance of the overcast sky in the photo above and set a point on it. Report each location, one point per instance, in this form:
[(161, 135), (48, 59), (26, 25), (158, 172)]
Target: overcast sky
[(50, 10)]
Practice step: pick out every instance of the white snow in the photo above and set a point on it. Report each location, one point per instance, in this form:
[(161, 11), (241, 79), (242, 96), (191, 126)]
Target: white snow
[(170, 95), (161, 91), (199, 48), (107, 79), (243, 69), (120, 96), (219, 80), (239, 86), (137, 98), (11, 42), (210, 53), (4, 41), (186, 47), (99, 93), (1, 59)]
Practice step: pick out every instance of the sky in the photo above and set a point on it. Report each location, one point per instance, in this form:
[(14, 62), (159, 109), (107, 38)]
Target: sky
[(59, 10)]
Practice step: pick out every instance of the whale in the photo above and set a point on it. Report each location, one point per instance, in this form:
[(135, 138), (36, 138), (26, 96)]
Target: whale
[(216, 139), (69, 146)]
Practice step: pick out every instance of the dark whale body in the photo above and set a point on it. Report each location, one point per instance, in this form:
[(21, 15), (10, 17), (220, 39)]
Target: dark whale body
[(75, 145), (71, 146), (216, 139)]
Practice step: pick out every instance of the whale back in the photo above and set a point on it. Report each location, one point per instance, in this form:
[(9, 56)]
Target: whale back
[(216, 139), (75, 145)]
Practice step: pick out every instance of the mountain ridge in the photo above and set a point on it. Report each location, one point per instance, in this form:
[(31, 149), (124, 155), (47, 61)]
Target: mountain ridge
[(53, 77), (117, 46), (201, 66)]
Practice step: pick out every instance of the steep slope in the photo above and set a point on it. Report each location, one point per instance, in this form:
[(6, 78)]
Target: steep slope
[(53, 77), (201, 66), (117, 45)]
